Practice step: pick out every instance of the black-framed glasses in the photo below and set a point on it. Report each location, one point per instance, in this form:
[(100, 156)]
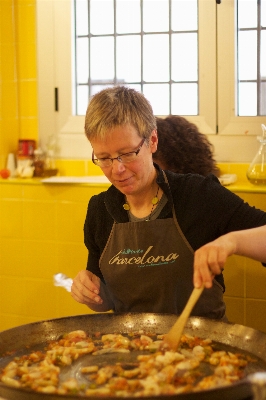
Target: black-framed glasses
[(123, 158)]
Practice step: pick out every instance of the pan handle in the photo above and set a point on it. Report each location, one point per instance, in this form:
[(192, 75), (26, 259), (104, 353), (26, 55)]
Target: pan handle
[(258, 385)]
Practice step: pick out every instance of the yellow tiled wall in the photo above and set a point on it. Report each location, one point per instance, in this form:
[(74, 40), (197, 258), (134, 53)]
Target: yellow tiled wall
[(18, 75), (245, 281), (41, 233)]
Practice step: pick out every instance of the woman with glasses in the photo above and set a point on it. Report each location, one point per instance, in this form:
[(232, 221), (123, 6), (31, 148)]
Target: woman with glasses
[(155, 234)]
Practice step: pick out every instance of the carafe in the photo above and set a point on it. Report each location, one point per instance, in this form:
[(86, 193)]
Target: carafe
[(256, 172)]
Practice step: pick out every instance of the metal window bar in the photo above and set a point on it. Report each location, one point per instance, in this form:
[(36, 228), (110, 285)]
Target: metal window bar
[(115, 81), (89, 47), (141, 44), (258, 57), (75, 60), (170, 55)]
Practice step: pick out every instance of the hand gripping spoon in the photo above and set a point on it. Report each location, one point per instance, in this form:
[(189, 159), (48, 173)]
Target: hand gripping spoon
[(172, 338)]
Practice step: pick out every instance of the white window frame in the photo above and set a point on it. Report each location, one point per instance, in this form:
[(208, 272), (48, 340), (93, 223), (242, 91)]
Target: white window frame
[(216, 80), (228, 122)]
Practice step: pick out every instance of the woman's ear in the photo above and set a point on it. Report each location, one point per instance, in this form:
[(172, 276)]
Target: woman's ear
[(154, 141)]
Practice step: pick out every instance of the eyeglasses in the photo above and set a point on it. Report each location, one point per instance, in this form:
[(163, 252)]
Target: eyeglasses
[(123, 158)]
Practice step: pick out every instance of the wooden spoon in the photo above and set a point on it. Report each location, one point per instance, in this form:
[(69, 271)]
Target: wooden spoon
[(172, 338)]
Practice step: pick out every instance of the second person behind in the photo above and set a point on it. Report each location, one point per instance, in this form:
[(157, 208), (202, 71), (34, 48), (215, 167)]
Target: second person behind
[(182, 148)]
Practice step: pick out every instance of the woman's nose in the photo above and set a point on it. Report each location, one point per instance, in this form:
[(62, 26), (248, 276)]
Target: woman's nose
[(118, 166)]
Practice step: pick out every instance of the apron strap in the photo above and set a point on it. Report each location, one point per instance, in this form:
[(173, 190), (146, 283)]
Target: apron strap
[(107, 243), (175, 219)]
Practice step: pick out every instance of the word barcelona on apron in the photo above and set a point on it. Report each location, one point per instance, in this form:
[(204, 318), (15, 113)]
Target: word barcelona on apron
[(148, 267)]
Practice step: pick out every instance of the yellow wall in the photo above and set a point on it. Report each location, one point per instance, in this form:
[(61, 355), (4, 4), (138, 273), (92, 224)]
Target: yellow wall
[(41, 234), (18, 75), (245, 280)]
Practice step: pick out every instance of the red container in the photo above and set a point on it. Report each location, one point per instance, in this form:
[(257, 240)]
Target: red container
[(26, 147)]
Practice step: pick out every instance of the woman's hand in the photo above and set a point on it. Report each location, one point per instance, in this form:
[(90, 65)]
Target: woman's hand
[(88, 289), (209, 259)]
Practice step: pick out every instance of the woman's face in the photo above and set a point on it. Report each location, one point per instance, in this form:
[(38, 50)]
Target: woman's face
[(130, 178)]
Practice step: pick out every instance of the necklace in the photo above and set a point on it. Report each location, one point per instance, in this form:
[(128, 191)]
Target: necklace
[(154, 201)]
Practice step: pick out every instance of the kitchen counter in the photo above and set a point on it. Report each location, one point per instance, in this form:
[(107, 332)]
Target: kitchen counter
[(240, 186), (246, 187), (75, 172), (60, 180)]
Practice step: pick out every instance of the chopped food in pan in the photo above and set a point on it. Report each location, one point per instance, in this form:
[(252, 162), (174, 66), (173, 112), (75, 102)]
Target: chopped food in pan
[(156, 370)]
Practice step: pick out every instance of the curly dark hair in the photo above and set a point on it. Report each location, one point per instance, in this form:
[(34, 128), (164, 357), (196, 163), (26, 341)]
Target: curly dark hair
[(182, 148)]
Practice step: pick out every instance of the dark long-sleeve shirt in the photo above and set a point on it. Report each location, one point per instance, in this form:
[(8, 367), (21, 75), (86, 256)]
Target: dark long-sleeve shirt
[(204, 209)]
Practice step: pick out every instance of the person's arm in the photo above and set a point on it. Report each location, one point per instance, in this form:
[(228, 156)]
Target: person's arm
[(88, 289), (209, 259), (88, 286)]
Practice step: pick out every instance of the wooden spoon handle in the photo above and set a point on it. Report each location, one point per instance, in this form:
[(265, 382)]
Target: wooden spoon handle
[(173, 336)]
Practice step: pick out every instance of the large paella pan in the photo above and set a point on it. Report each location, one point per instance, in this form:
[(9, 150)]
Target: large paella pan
[(25, 338)]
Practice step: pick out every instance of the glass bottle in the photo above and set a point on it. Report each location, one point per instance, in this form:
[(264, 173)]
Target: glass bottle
[(38, 162), (256, 172)]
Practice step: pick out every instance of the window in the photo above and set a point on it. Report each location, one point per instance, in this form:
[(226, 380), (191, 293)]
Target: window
[(230, 100), (149, 45), (117, 41), (251, 24), (216, 108)]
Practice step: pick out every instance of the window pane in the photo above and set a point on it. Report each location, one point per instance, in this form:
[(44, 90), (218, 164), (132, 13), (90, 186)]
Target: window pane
[(263, 57), (184, 15), (247, 100), (156, 69), (131, 55), (128, 16), (82, 17), (184, 57), (158, 96), (82, 99), (155, 15), (82, 60), (247, 55), (263, 99), (128, 58), (101, 17), (251, 59), (184, 99), (97, 88), (102, 58), (263, 13), (247, 14), (134, 86)]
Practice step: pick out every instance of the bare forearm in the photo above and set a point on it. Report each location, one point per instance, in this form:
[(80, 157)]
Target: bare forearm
[(251, 243), (209, 260)]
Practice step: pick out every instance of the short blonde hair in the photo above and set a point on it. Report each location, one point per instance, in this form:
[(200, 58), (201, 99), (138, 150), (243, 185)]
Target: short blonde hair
[(118, 106)]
